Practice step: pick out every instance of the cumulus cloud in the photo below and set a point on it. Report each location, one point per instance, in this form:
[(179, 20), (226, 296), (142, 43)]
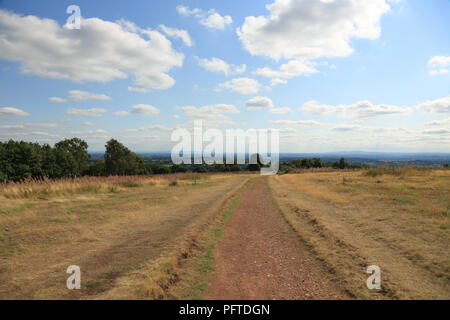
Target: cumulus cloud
[(8, 111), (293, 68), (159, 127), (81, 55), (438, 123), (146, 110), (210, 19), (258, 103), (215, 21), (305, 30), (439, 61), (435, 106), (439, 65), (310, 29), (178, 33), (314, 107), (121, 113), (93, 112), (220, 66), (138, 90), (241, 85), (217, 113), (78, 95), (277, 81), (359, 110), (57, 100)]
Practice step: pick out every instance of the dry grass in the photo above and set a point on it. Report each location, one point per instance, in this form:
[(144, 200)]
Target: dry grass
[(395, 218), (110, 234)]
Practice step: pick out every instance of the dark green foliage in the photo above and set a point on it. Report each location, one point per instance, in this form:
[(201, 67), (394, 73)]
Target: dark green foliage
[(119, 160), (199, 169), (159, 169), (97, 168), (178, 169), (79, 158), (317, 163)]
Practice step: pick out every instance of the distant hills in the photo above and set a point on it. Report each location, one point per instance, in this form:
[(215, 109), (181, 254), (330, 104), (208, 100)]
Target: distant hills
[(355, 157)]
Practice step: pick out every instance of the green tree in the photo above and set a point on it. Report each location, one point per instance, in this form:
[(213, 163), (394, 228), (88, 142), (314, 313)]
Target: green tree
[(97, 168), (119, 160), (78, 149)]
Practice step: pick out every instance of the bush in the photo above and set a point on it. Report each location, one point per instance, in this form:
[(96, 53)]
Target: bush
[(173, 183)]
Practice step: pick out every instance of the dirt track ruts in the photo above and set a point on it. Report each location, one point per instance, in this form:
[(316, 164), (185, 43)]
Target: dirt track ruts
[(260, 257)]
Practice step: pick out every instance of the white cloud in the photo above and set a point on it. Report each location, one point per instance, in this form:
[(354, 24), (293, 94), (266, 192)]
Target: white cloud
[(438, 123), (159, 127), (95, 53), (358, 110), (57, 100), (310, 29), (185, 11), (98, 133), (440, 71), (138, 90), (210, 19), (280, 110), (435, 106), (145, 110), (293, 68), (258, 103), (219, 66), (8, 111), (440, 64), (277, 81), (93, 112), (88, 124), (78, 95), (437, 131), (216, 113), (241, 85), (305, 30), (177, 33), (314, 107), (301, 123), (215, 21), (439, 61), (121, 113), (14, 126)]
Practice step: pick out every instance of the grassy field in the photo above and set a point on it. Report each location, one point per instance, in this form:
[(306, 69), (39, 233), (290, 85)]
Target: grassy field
[(134, 229), (154, 237), (397, 219)]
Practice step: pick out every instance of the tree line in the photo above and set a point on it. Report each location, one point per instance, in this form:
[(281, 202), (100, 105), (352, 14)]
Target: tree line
[(69, 158)]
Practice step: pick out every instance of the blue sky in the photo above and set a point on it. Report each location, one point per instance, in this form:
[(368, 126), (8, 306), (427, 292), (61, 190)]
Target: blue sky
[(331, 75)]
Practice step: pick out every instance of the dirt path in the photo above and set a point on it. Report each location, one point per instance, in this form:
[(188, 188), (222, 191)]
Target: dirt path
[(259, 256)]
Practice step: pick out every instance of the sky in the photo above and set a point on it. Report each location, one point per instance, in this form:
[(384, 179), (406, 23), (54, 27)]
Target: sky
[(332, 75)]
